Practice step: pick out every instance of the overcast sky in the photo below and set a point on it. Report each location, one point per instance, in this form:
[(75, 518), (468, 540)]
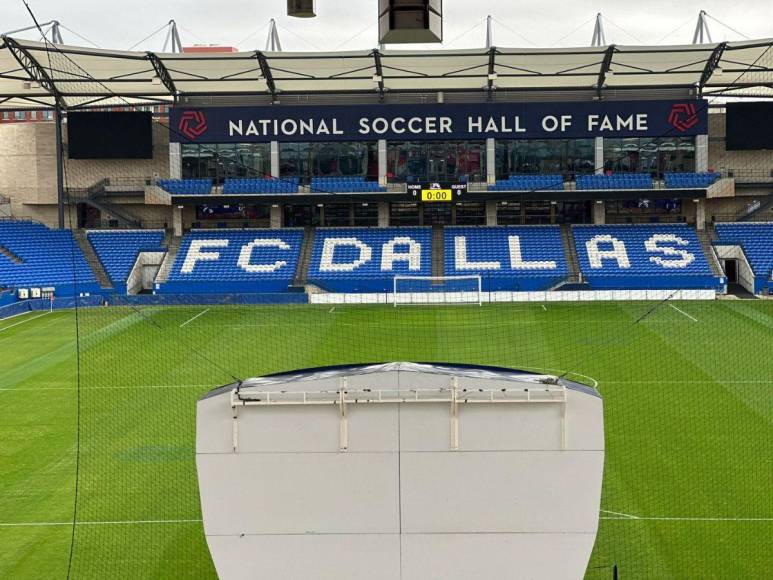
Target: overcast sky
[(351, 24)]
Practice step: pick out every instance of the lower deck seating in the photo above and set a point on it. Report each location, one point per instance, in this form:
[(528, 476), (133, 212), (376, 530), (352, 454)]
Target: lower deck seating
[(44, 258), (118, 249), (638, 257), (367, 259), (235, 261), (519, 258), (756, 239)]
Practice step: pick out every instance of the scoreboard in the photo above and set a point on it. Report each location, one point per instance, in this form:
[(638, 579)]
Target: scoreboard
[(437, 191)]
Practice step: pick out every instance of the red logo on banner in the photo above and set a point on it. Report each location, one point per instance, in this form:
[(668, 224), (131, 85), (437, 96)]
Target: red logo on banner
[(683, 116), (193, 124)]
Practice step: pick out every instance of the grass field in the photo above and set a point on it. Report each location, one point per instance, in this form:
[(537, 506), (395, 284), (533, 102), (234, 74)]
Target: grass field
[(688, 397)]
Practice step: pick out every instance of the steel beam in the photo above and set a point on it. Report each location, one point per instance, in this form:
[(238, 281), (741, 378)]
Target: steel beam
[(33, 68), (265, 70), (606, 64), (163, 73), (711, 65)]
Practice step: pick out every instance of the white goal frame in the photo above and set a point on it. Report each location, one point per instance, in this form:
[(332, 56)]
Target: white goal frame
[(438, 298)]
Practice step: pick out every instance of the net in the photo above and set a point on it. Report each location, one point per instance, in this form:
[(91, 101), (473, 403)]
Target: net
[(437, 290)]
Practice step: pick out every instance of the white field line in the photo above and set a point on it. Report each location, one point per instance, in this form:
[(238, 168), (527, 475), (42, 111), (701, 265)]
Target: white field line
[(621, 514), (97, 523), (194, 318), (332, 310), (680, 311), (25, 320), (545, 308)]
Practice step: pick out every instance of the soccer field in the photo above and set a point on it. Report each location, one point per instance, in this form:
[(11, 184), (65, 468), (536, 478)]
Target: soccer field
[(688, 400)]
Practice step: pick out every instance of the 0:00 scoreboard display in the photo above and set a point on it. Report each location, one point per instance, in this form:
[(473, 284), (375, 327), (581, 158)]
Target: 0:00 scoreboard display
[(442, 192)]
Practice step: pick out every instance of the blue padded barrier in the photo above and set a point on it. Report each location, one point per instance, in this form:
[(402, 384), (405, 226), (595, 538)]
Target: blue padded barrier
[(641, 257), (756, 239), (207, 299), (49, 258), (615, 181), (518, 258), (235, 261), (118, 250), (367, 259)]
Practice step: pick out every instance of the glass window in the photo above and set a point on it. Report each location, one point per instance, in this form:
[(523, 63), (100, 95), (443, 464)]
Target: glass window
[(366, 214), (221, 161), (650, 155), (404, 214), (470, 214), (436, 161), (565, 156), (347, 158), (338, 214), (18, 115), (509, 213)]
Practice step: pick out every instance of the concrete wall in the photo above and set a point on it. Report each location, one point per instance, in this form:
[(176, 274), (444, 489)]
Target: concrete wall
[(747, 165)]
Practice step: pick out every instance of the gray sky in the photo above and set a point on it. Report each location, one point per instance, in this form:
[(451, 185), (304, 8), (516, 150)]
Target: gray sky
[(351, 24)]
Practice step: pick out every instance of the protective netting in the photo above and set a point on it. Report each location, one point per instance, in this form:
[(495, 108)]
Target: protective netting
[(99, 410)]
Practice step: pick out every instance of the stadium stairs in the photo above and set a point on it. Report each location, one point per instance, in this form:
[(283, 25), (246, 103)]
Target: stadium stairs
[(10, 255), (92, 196), (93, 260), (304, 261), (573, 281), (172, 244), (706, 236), (438, 251)]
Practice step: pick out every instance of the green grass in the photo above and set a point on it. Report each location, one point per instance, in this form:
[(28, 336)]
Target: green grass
[(688, 421)]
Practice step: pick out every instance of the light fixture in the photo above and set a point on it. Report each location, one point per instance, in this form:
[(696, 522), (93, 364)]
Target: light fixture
[(377, 78), (492, 76)]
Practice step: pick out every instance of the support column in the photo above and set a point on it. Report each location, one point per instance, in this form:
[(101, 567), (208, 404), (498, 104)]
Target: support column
[(598, 155), (175, 161), (700, 214), (552, 212), (275, 159), (491, 212), (321, 209), (491, 161), (276, 216), (59, 169), (453, 214), (383, 214), (177, 220), (382, 162), (701, 153), (599, 212)]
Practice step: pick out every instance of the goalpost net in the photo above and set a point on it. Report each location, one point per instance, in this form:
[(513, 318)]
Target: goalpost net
[(437, 290)]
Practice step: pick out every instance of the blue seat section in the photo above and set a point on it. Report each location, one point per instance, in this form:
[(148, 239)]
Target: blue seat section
[(118, 249), (347, 184), (48, 258), (186, 186), (235, 261), (260, 185), (522, 258), (641, 257), (615, 181), (756, 239), (529, 182), (367, 259), (692, 180)]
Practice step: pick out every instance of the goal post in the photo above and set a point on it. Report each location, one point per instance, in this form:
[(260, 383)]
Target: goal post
[(411, 290)]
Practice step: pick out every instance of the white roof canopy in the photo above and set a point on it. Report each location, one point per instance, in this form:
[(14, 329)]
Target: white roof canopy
[(38, 74)]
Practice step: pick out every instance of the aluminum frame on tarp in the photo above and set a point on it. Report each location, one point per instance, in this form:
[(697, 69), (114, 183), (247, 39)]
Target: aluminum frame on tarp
[(40, 75)]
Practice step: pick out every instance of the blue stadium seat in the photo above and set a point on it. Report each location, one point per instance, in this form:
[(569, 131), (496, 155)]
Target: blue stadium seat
[(690, 180), (756, 239), (260, 185), (521, 258), (186, 186), (49, 258), (118, 250), (529, 182), (367, 259), (344, 184), (615, 181), (641, 257), (235, 261)]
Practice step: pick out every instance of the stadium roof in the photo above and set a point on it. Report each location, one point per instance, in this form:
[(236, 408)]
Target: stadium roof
[(38, 74)]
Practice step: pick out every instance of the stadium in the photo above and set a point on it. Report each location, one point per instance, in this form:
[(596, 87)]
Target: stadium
[(490, 312)]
